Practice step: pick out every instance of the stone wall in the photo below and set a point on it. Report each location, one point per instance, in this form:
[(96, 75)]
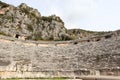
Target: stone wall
[(54, 59), (110, 72), (42, 74)]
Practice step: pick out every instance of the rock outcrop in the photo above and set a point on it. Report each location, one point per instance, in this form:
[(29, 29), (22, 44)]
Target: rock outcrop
[(26, 21)]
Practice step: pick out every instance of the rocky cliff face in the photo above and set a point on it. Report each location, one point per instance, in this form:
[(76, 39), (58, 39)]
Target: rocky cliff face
[(26, 21)]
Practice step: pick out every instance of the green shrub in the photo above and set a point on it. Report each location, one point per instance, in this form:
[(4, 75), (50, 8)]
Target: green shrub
[(49, 19), (25, 10), (30, 27), (65, 37), (37, 36), (2, 4), (2, 33)]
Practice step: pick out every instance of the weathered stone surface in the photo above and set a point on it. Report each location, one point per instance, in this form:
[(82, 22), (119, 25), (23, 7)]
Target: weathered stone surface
[(22, 58), (24, 20), (61, 59)]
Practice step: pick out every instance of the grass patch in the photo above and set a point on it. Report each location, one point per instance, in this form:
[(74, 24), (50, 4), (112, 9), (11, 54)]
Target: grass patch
[(11, 79)]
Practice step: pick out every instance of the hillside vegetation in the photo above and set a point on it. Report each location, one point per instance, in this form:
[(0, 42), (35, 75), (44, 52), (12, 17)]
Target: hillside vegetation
[(80, 33), (28, 22)]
